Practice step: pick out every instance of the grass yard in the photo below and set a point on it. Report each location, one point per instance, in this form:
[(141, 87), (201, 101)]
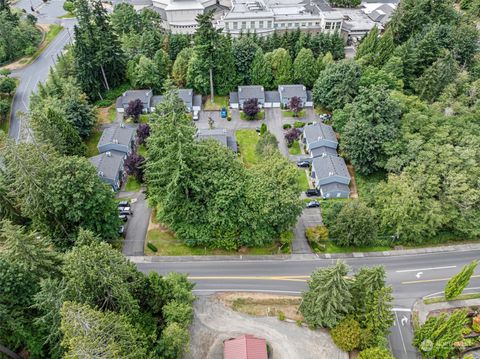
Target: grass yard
[(247, 140), (303, 180), (289, 113), (294, 149), (168, 245), (219, 102), (106, 115), (132, 185), (263, 305), (332, 248), (259, 116), (92, 142)]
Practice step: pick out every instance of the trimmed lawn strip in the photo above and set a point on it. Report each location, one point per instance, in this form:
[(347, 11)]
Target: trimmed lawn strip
[(168, 245), (132, 185), (67, 16), (247, 141), (460, 297), (258, 116), (219, 102), (92, 142), (289, 113), (294, 149), (302, 180)]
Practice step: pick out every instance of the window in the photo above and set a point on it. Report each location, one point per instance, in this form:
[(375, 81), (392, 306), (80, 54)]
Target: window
[(252, 24), (244, 25), (282, 24), (275, 25), (226, 26), (290, 24), (270, 25), (235, 24), (304, 24), (338, 194), (260, 24), (309, 24), (296, 24), (328, 25)]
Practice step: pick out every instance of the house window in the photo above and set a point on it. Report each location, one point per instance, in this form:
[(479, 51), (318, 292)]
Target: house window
[(260, 24), (244, 25), (252, 24), (296, 24), (270, 25), (235, 25), (275, 25), (328, 25), (290, 24), (282, 25), (338, 194), (226, 26), (309, 24)]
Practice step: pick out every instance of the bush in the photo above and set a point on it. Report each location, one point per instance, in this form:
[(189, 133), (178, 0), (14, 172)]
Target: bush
[(152, 247), (103, 103), (229, 118), (4, 108), (476, 324), (263, 128), (317, 234), (299, 124), (286, 238), (29, 51), (69, 6), (286, 126), (281, 315), (347, 334), (377, 353), (292, 135)]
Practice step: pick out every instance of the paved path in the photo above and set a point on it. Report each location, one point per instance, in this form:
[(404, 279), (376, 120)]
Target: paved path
[(137, 225)]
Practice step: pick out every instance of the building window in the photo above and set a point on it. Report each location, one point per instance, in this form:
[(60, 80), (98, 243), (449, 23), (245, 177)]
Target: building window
[(260, 24), (235, 24), (275, 25), (282, 25), (304, 24), (328, 25), (290, 24), (244, 25), (270, 25), (309, 24), (226, 26), (252, 24), (296, 24)]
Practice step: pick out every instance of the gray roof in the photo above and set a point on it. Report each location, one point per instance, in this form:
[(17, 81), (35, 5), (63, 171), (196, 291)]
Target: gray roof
[(186, 95), (327, 166), (144, 95), (108, 164), (225, 137), (156, 100), (247, 92), (118, 134), (382, 14), (197, 100), (309, 96), (318, 151), (319, 130), (335, 186), (272, 96), (233, 97), (290, 91)]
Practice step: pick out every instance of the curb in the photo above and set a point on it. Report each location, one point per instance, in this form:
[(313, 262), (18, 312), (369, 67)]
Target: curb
[(297, 257)]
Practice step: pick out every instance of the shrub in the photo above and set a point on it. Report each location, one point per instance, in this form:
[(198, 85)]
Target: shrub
[(377, 353), (152, 247), (286, 126), (263, 128), (30, 50), (69, 6), (317, 234), (229, 118), (251, 108), (292, 135), (299, 322), (4, 108), (281, 315), (286, 238), (103, 103), (299, 124), (476, 324), (347, 334)]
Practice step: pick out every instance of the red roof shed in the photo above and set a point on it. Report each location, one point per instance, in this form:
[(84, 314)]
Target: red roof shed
[(245, 347)]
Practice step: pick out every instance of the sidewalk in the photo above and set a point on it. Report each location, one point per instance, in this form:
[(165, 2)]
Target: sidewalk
[(423, 309)]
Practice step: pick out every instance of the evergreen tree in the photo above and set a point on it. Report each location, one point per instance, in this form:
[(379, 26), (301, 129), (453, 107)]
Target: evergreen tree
[(304, 68), (282, 70), (369, 44), (459, 281), (328, 298), (368, 280), (244, 51), (261, 71), (180, 67), (378, 317)]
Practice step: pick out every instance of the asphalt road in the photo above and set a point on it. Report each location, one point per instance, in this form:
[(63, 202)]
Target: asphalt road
[(37, 71), (411, 276)]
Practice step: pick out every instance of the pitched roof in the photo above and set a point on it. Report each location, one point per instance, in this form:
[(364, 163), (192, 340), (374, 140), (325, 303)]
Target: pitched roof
[(117, 134), (245, 347), (186, 95), (143, 95), (233, 97), (335, 186), (225, 137), (309, 96), (318, 151), (108, 164), (197, 100), (246, 92), (327, 166), (272, 96), (290, 91), (319, 130)]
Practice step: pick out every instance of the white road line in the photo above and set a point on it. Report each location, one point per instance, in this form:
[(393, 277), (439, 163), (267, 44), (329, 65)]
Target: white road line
[(400, 330), (401, 310), (422, 269), (246, 290)]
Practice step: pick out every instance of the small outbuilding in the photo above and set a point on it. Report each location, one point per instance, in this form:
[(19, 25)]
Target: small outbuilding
[(245, 347)]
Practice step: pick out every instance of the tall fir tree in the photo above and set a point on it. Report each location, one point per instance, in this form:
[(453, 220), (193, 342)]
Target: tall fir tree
[(261, 71), (459, 281)]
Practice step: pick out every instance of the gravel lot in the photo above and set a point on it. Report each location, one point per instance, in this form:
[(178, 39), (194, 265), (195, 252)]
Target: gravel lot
[(213, 323)]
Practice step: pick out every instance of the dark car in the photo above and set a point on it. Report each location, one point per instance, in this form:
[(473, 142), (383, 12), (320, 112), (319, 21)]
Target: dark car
[(123, 204), (313, 204), (303, 164), (312, 192), (223, 112), (258, 129), (123, 217)]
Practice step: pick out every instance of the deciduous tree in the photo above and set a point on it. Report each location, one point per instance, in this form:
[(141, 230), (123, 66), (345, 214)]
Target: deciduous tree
[(251, 108), (134, 109), (304, 68)]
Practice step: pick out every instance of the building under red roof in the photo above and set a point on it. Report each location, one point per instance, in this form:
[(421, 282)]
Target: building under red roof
[(245, 347)]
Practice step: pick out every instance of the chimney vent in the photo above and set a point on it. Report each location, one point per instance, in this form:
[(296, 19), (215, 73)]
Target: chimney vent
[(108, 153)]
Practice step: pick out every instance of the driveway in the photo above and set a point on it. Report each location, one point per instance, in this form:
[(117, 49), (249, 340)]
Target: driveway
[(310, 217), (137, 224), (213, 323), (235, 124), (275, 122)]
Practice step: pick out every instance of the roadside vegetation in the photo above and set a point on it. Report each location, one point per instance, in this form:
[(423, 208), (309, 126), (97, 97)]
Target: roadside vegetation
[(8, 87)]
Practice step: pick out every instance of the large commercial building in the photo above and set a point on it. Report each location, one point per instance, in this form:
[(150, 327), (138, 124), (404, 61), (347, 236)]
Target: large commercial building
[(266, 16)]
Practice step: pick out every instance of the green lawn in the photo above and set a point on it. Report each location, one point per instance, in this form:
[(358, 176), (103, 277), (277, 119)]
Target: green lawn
[(332, 248), (295, 148), (132, 185), (259, 116), (168, 245), (302, 180), (289, 113), (92, 142), (219, 102), (53, 31), (247, 140)]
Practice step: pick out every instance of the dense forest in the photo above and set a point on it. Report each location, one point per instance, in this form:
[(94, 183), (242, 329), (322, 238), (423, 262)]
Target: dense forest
[(408, 110), (18, 34)]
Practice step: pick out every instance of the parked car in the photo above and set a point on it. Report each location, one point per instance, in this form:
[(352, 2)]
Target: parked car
[(223, 112), (123, 217), (312, 192), (303, 164), (126, 209), (126, 213), (313, 204), (258, 129), (121, 230), (195, 115), (123, 204)]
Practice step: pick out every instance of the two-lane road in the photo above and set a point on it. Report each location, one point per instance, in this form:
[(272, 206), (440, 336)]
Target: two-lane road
[(411, 276)]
